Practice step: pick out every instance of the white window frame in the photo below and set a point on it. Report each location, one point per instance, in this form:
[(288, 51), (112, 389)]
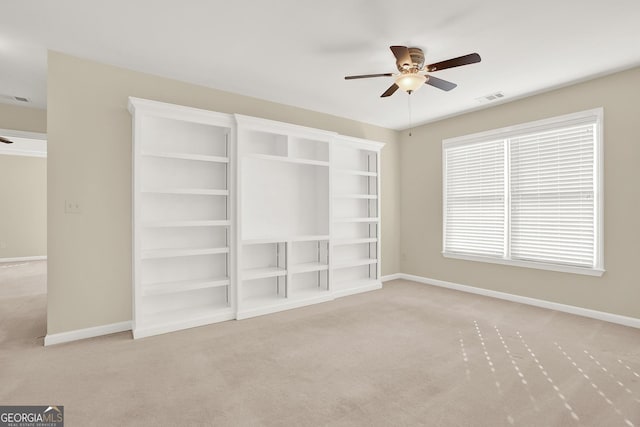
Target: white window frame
[(589, 116)]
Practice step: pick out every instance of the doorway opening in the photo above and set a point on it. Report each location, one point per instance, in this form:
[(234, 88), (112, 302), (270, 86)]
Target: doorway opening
[(23, 232)]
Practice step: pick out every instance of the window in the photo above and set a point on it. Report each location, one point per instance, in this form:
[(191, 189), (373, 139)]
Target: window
[(527, 195)]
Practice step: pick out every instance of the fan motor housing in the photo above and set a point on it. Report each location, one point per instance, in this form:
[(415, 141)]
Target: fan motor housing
[(417, 59)]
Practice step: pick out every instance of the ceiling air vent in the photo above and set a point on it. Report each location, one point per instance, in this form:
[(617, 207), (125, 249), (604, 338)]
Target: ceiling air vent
[(491, 97), (12, 98)]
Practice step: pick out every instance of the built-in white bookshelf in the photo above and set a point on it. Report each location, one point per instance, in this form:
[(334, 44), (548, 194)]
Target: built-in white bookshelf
[(182, 210), (355, 265), (236, 216)]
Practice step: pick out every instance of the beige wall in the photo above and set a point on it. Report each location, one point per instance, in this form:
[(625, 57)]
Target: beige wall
[(618, 291), (23, 211), (24, 119), (89, 133)]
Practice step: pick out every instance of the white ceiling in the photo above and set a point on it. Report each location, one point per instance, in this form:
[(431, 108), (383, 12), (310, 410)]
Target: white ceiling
[(297, 52)]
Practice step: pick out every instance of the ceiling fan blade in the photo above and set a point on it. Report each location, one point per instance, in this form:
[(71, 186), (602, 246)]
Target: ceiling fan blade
[(440, 84), (366, 76), (472, 58), (402, 55), (5, 140), (394, 87)]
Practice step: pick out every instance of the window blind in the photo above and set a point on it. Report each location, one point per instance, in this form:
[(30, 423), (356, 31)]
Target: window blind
[(552, 196), (475, 203), (527, 195)]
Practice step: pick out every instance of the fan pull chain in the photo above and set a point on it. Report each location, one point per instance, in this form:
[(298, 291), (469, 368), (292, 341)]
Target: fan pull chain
[(409, 102)]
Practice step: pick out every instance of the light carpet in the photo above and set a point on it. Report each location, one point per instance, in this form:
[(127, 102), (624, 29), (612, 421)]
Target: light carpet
[(406, 355)]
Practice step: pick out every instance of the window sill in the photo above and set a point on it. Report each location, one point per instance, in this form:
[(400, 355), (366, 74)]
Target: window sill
[(598, 272)]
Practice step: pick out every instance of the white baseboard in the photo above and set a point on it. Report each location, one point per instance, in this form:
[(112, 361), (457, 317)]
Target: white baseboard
[(585, 312), (633, 322), (80, 334), (364, 286), (24, 258), (278, 307), (140, 332), (388, 277), (148, 331)]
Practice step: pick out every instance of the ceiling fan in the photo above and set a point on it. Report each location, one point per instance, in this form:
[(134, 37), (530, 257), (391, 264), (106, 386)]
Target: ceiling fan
[(412, 71), (5, 140)]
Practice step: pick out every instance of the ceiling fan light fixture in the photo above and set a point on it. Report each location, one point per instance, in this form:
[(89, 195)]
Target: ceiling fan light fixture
[(410, 64), (410, 82)]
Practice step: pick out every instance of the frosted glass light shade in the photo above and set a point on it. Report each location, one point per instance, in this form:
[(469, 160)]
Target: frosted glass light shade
[(410, 82)]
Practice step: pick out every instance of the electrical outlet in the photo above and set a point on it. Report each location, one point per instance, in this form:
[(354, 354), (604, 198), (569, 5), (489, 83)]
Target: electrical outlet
[(72, 207)]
